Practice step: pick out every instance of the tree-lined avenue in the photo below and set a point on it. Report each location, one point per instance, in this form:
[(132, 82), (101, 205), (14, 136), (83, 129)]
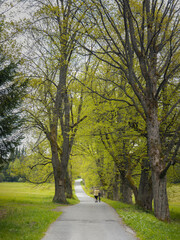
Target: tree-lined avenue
[(88, 221)]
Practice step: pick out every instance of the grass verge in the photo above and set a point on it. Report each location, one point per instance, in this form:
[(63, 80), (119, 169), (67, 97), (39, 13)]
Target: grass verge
[(145, 225), (26, 211)]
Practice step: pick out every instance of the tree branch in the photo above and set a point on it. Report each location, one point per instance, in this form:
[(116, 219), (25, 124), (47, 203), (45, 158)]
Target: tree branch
[(41, 182), (40, 164)]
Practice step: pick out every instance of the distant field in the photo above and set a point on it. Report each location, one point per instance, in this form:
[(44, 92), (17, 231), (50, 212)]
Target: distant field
[(174, 193), (26, 210), (174, 202)]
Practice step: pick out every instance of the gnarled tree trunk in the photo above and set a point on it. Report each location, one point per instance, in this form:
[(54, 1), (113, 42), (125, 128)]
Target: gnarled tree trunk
[(145, 194), (59, 195), (68, 186), (161, 207), (125, 190)]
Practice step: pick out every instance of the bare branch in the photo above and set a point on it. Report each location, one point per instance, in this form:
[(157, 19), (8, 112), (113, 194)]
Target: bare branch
[(40, 164), (170, 111)]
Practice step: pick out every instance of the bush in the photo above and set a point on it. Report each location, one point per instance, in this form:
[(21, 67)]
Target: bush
[(21, 179)]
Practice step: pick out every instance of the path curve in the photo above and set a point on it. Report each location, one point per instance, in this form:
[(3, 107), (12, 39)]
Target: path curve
[(88, 221)]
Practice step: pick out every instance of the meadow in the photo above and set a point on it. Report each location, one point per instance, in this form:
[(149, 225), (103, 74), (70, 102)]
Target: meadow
[(26, 211)]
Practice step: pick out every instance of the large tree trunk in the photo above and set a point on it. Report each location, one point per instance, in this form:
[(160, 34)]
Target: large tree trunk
[(116, 183), (68, 185), (60, 157), (161, 208), (59, 172), (59, 195), (145, 194), (125, 190), (63, 186)]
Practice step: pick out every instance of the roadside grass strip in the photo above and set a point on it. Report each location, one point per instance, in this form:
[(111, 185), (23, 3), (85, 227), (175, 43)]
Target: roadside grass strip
[(145, 224), (26, 211)]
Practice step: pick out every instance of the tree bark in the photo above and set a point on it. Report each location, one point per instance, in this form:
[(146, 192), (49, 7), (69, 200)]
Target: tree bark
[(145, 194), (161, 207), (125, 190), (68, 185), (116, 195), (59, 195)]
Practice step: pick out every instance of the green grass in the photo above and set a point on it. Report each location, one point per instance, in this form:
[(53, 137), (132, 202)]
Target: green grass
[(174, 202), (26, 211), (145, 224)]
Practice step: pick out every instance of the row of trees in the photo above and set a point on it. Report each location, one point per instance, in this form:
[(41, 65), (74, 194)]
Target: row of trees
[(103, 95)]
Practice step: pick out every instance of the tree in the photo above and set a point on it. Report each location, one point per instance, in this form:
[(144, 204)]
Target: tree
[(54, 31), (141, 41), (12, 91)]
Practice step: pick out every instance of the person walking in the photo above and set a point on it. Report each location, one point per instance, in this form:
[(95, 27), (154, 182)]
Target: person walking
[(99, 196), (96, 194)]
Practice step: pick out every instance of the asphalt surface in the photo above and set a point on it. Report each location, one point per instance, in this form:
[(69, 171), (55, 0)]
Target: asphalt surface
[(88, 221)]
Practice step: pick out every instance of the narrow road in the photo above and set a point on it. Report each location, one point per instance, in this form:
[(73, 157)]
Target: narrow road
[(88, 221)]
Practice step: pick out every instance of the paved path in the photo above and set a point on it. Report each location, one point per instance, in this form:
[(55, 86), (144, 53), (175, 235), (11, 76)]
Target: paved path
[(88, 221)]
